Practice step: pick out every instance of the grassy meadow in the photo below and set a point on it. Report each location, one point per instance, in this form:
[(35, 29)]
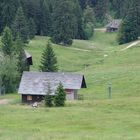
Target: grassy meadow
[(94, 118)]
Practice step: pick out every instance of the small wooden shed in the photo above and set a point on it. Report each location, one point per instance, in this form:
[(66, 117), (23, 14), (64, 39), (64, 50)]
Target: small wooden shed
[(28, 58), (113, 25), (33, 85)]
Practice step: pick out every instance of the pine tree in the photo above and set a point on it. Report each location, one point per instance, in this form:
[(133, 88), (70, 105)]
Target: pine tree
[(82, 3), (120, 7), (19, 51), (45, 18), (138, 15), (7, 12), (64, 23), (89, 15), (129, 28), (7, 42), (48, 97), (89, 20), (20, 26), (49, 60), (79, 31), (60, 96), (101, 9), (32, 28), (117, 6)]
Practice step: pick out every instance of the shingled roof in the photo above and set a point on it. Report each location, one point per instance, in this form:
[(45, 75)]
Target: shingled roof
[(35, 83), (114, 24)]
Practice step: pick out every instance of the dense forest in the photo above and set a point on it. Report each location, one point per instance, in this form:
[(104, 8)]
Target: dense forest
[(63, 20)]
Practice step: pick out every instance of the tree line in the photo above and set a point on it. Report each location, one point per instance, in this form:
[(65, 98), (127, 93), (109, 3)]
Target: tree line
[(62, 20)]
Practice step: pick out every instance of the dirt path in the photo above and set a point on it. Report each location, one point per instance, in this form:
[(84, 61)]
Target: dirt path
[(131, 45), (79, 49), (4, 101)]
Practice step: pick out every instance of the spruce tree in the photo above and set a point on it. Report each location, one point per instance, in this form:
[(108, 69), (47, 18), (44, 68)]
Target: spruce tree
[(45, 18), (129, 28), (7, 12), (48, 97), (64, 23), (7, 42), (101, 9), (117, 7), (49, 60), (60, 96), (20, 26), (89, 21), (19, 51), (82, 3), (138, 15), (89, 15), (79, 25), (32, 28)]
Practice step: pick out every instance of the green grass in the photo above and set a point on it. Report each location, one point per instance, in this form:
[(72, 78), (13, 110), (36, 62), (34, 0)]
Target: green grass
[(119, 68), (96, 117), (80, 120)]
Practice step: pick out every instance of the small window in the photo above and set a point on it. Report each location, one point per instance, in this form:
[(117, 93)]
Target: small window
[(68, 91), (29, 98)]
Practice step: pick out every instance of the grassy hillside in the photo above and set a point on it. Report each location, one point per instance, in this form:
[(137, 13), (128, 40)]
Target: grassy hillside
[(96, 117), (100, 60)]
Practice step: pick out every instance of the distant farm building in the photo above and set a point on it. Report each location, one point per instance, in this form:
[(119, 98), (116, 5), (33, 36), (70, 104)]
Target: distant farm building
[(113, 25), (33, 86)]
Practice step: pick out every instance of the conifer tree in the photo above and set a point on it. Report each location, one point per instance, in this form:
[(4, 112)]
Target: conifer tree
[(89, 21), (101, 9), (7, 42), (138, 15), (48, 97), (20, 26), (7, 12), (19, 51), (129, 28), (79, 25), (117, 6), (60, 96), (32, 28), (82, 3), (45, 18), (64, 23), (49, 60), (89, 15)]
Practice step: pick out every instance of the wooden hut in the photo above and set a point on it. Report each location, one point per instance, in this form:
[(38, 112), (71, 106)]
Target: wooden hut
[(113, 25), (33, 85), (28, 58)]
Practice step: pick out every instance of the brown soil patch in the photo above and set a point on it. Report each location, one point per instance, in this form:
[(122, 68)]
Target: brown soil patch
[(4, 101)]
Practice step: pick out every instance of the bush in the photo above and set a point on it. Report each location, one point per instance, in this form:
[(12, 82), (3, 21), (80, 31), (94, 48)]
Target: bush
[(89, 30)]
